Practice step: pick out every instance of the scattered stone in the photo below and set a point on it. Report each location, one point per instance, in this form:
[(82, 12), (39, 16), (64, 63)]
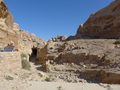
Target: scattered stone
[(60, 88)]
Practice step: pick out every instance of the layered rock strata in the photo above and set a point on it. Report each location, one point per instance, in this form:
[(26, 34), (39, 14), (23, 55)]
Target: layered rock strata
[(104, 23)]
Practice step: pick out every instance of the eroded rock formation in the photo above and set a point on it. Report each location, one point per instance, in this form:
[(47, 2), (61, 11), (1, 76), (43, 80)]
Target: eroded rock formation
[(9, 31), (82, 55), (28, 41), (6, 26), (104, 23), (58, 38)]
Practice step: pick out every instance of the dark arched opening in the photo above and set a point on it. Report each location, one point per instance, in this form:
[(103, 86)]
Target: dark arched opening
[(33, 54), (34, 51)]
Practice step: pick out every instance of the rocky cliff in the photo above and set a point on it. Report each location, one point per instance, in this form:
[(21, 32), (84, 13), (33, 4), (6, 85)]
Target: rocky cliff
[(104, 23), (9, 31), (6, 26), (28, 41)]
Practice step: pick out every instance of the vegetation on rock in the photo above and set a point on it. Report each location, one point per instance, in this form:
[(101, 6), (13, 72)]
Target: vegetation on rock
[(39, 74), (23, 55), (9, 78), (117, 41), (25, 64), (47, 79)]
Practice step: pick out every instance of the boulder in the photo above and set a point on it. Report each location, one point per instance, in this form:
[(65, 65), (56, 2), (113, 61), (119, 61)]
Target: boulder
[(59, 38)]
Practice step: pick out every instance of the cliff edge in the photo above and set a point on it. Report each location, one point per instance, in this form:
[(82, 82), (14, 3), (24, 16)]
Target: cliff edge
[(104, 23)]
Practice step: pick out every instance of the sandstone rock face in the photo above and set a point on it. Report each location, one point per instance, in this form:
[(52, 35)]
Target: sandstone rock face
[(102, 24), (28, 41), (104, 76), (84, 54), (6, 26), (76, 51), (58, 38), (9, 31)]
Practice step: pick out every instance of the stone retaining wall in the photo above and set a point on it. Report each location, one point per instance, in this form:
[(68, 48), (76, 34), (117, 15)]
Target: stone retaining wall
[(10, 61)]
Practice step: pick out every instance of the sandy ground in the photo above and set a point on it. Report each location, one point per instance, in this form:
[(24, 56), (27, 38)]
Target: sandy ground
[(15, 85), (30, 80), (71, 86)]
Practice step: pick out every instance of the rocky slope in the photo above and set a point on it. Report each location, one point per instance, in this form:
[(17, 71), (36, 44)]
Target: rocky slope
[(9, 31), (92, 60), (104, 23), (28, 41)]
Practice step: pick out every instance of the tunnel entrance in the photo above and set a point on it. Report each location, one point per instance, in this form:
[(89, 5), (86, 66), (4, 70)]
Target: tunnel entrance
[(33, 55), (34, 51)]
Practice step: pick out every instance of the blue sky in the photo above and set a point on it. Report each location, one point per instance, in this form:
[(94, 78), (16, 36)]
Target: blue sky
[(49, 18)]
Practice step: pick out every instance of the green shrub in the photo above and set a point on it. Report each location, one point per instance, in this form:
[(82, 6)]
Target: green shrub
[(47, 79), (117, 41), (23, 55), (9, 78), (39, 74), (26, 64)]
